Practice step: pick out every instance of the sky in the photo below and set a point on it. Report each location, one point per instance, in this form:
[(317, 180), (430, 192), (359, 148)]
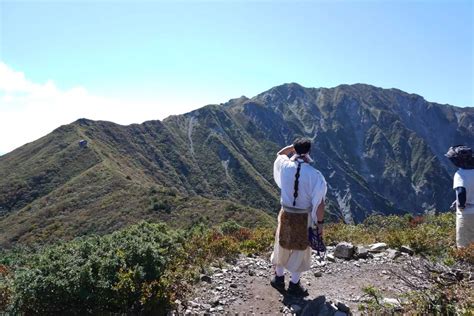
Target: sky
[(132, 61)]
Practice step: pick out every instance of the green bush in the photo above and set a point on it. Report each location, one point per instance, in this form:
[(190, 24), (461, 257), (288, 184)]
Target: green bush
[(230, 227), (141, 269), (160, 205), (120, 272)]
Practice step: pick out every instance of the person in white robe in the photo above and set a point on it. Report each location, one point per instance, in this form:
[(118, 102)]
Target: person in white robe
[(303, 191), (463, 184)]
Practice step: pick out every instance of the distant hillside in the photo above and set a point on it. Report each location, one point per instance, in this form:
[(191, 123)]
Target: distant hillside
[(381, 151)]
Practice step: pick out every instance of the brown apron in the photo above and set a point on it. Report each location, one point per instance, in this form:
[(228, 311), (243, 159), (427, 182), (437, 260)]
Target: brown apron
[(293, 228)]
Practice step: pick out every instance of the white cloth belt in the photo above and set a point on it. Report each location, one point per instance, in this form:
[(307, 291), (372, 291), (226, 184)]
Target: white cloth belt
[(291, 209)]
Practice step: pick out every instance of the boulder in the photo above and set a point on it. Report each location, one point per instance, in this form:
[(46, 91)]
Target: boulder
[(206, 306), (361, 252), (216, 301), (407, 249), (193, 304), (206, 278), (393, 254), (378, 247), (344, 250)]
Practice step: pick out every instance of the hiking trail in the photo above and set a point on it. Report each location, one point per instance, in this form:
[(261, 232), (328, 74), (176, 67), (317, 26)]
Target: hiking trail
[(335, 285)]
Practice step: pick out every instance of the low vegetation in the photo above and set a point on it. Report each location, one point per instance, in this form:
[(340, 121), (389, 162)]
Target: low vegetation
[(431, 235), (435, 289), (446, 268), (146, 267), (143, 268)]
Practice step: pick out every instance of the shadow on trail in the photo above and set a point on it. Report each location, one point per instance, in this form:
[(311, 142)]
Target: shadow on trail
[(307, 306)]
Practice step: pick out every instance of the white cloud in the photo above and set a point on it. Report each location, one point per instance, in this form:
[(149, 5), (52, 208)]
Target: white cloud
[(29, 110)]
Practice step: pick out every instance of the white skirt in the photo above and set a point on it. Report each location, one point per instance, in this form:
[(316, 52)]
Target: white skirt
[(464, 229)]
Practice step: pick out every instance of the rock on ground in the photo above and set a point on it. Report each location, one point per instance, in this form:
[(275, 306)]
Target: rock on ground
[(378, 247), (407, 249), (344, 250), (393, 254), (361, 252)]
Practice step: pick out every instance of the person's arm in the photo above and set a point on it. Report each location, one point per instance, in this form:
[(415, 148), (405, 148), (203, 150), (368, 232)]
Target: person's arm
[(277, 165), (287, 150), (461, 197), (320, 216), (319, 196)]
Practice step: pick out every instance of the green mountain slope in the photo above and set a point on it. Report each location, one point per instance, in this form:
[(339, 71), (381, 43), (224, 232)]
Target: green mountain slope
[(127, 178)]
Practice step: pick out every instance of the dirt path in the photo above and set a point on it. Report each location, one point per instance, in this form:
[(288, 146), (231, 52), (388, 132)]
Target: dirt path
[(243, 288)]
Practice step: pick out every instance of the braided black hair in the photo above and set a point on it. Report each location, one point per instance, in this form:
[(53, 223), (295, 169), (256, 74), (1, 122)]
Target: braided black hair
[(302, 146), (297, 176)]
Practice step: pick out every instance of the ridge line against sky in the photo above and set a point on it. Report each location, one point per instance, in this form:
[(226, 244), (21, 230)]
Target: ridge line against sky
[(130, 62)]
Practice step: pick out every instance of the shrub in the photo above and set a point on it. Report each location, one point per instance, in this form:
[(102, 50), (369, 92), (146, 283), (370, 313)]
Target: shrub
[(464, 254), (120, 272), (160, 205), (260, 240), (436, 289), (5, 288), (230, 227)]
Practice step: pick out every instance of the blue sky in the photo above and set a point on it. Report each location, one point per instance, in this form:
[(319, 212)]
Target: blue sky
[(131, 61)]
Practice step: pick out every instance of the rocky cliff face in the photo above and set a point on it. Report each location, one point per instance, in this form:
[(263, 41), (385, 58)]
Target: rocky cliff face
[(380, 150)]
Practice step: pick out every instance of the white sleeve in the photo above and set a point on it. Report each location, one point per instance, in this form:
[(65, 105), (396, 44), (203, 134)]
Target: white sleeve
[(277, 168), (319, 194), (458, 180)]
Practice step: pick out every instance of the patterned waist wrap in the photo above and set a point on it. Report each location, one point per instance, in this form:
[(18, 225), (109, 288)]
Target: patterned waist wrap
[(293, 228)]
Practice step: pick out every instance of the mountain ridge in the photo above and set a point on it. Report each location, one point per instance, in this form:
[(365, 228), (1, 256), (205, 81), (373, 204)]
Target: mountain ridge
[(380, 150)]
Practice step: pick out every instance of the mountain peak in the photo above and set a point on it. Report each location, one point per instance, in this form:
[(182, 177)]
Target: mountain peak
[(83, 122), (236, 101), (289, 87)]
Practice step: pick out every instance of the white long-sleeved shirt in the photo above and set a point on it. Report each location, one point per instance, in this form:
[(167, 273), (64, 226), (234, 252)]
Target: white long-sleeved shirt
[(465, 178), (312, 186)]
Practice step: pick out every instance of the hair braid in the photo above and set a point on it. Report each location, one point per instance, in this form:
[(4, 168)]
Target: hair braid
[(297, 176)]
